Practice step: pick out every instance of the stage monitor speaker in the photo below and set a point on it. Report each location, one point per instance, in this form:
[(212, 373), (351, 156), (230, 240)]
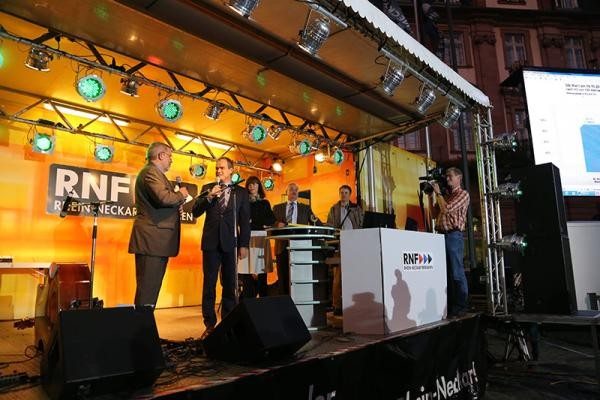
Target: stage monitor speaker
[(101, 350), (548, 283), (266, 328), (541, 208)]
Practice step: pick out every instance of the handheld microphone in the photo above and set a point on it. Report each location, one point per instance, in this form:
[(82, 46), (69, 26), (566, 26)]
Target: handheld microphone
[(67, 203), (177, 184)]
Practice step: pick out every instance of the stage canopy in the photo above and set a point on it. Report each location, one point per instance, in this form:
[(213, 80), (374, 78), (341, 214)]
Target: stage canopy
[(200, 52)]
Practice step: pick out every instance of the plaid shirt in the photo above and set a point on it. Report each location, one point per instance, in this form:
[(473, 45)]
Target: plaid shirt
[(455, 215)]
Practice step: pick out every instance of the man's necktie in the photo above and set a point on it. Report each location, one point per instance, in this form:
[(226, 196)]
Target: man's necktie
[(290, 212), (222, 203)]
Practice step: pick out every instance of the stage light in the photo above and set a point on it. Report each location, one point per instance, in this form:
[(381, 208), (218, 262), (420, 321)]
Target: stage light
[(268, 184), (504, 142), (426, 98), (43, 143), (104, 153), (321, 154), (277, 165), (130, 87), (198, 170), (91, 87), (392, 79), (314, 35), (214, 110), (512, 242), (38, 59), (303, 147), (255, 133), (451, 115), (275, 131), (236, 177), (170, 109), (243, 7), (336, 157), (508, 190)]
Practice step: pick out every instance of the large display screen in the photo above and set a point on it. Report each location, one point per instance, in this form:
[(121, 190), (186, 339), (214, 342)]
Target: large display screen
[(564, 116)]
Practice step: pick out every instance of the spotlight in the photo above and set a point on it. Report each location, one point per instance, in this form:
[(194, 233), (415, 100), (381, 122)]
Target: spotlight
[(43, 143), (303, 147), (104, 153), (426, 98), (392, 79), (214, 110), (243, 7), (314, 35), (91, 87), (337, 157), (130, 87), (236, 177), (198, 170), (275, 131), (38, 59), (504, 142), (277, 165), (321, 155), (170, 109), (268, 183), (508, 190), (255, 133), (451, 115), (512, 242)]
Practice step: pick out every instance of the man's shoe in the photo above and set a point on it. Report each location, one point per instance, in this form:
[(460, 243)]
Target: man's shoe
[(208, 331)]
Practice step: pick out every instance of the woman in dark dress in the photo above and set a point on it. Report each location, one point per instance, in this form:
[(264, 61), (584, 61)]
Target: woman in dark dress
[(253, 270)]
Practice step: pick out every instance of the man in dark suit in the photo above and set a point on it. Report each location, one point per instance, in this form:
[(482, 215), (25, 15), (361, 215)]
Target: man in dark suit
[(156, 229), (218, 239), (290, 212)]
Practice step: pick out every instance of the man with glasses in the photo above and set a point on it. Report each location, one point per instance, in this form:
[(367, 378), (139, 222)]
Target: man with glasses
[(156, 228)]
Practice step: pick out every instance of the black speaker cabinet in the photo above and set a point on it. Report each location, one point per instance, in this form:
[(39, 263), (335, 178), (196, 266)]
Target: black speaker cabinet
[(100, 351), (258, 329), (548, 283), (541, 209)]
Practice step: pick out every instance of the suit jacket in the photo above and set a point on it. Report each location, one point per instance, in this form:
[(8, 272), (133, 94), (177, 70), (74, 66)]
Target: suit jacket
[(218, 231), (304, 212), (156, 228), (355, 216)]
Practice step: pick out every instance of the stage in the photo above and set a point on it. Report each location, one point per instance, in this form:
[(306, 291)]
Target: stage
[(439, 360)]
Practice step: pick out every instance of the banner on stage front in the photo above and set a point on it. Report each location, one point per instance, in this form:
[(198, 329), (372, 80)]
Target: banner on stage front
[(113, 191)]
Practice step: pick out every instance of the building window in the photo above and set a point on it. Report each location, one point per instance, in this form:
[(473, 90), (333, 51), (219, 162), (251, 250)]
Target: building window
[(574, 49), (410, 141), (520, 123), (459, 49), (515, 51), (467, 119), (566, 4)]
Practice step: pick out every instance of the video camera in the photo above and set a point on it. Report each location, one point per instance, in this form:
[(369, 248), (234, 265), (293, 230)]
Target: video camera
[(433, 175)]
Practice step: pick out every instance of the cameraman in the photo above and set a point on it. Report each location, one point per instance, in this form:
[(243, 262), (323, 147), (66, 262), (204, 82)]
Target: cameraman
[(450, 214)]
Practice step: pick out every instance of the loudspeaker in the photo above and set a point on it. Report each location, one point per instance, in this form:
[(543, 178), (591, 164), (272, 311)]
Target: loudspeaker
[(258, 329), (101, 350), (541, 208), (548, 283)]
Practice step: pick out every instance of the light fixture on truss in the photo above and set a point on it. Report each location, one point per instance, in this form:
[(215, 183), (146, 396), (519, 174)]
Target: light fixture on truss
[(255, 133), (394, 75), (130, 87), (38, 59), (198, 170), (512, 242), (508, 190), (91, 87), (170, 110), (43, 142), (451, 115), (214, 110), (504, 142), (426, 98), (104, 153), (268, 183), (243, 7), (302, 147)]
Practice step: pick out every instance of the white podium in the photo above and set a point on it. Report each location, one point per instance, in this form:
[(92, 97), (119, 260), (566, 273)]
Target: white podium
[(392, 280)]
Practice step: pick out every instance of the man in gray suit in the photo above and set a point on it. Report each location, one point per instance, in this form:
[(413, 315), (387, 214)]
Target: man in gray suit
[(290, 212), (156, 229)]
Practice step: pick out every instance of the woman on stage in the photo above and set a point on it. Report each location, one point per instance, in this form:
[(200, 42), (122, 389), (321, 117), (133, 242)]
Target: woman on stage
[(253, 270)]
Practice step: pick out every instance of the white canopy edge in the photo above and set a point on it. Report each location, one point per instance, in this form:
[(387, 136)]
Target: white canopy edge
[(382, 23)]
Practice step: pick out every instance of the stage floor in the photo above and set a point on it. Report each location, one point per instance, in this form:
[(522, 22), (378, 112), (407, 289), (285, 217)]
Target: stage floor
[(189, 371)]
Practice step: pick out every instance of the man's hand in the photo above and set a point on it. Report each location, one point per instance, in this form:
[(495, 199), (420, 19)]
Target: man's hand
[(279, 224), (242, 253), (215, 191), (183, 190), (436, 187)]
